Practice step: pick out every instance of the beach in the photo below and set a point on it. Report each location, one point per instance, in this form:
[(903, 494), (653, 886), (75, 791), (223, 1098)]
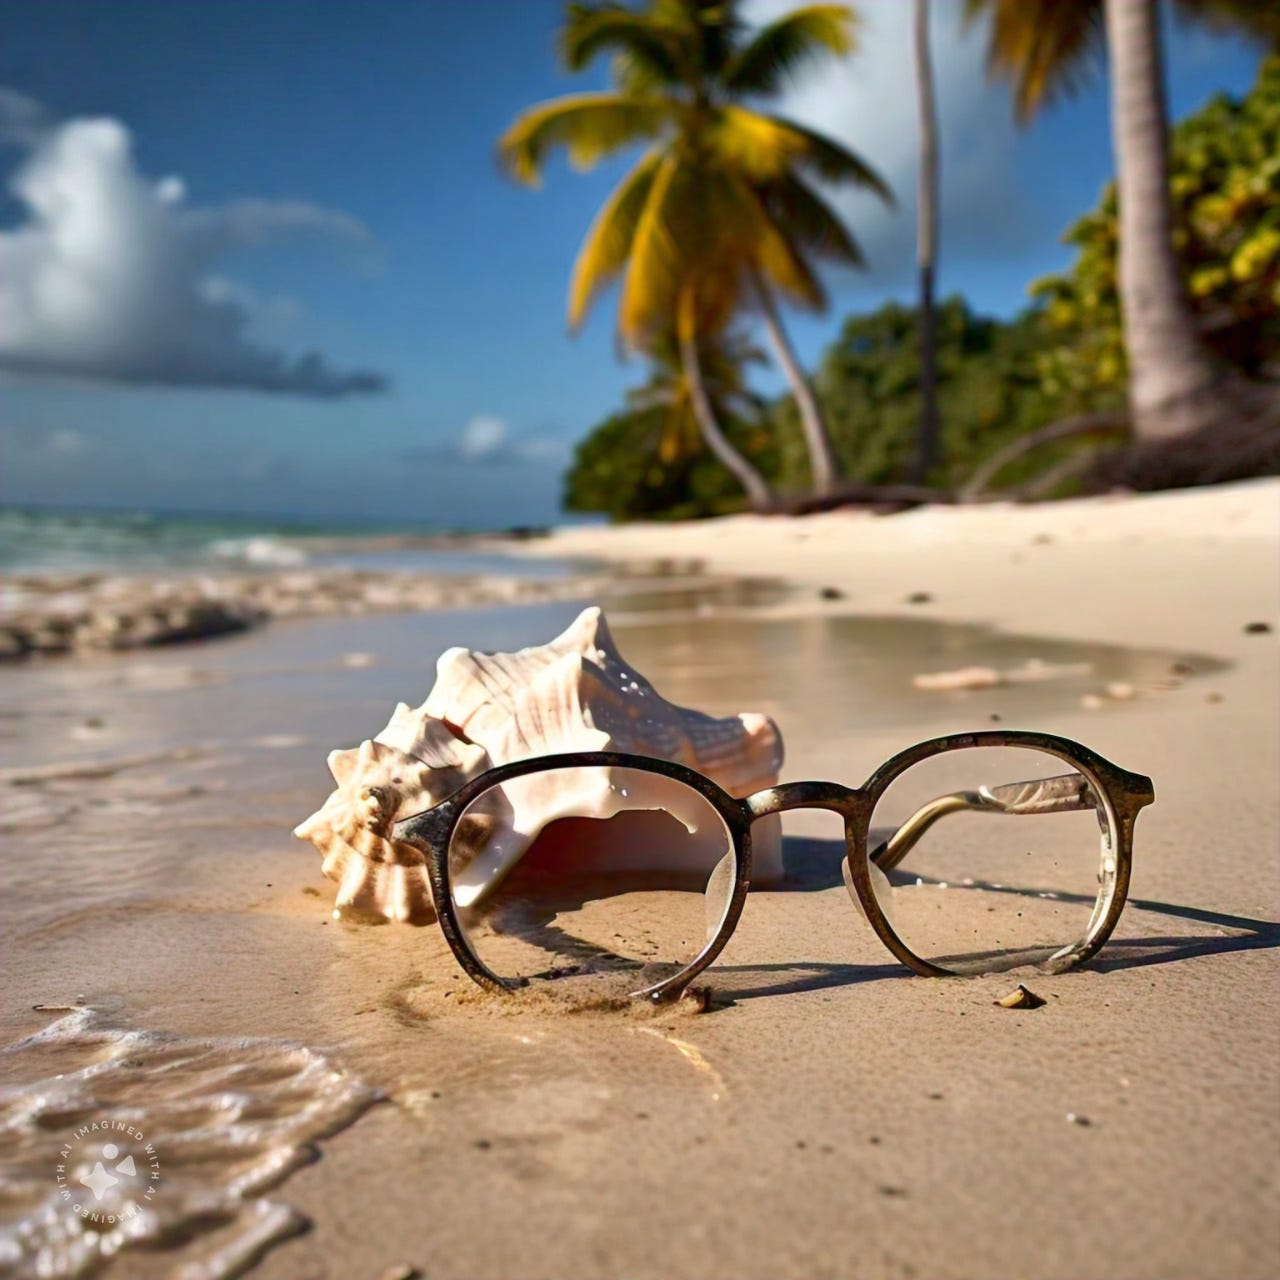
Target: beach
[(333, 1100)]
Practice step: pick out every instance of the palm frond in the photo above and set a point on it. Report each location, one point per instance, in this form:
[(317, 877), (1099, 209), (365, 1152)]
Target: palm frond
[(785, 267), (780, 49), (654, 268), (829, 160), (775, 253), (1046, 49), (604, 252), (588, 125), (811, 221), (751, 143), (646, 52), (1257, 19), (694, 239)]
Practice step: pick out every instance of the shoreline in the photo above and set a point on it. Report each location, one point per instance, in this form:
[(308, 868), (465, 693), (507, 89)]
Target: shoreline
[(60, 615)]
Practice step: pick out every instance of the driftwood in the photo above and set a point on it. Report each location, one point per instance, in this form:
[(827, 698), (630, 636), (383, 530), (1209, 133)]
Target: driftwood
[(1108, 425), (880, 497), (1078, 464)]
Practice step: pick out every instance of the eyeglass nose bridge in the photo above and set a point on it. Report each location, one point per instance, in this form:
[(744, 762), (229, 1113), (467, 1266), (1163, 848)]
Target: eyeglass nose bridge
[(803, 795)]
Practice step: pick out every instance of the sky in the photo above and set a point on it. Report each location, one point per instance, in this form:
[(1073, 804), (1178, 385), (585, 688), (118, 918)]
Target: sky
[(257, 256)]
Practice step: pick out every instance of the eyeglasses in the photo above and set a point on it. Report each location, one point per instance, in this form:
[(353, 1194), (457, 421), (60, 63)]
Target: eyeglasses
[(637, 869)]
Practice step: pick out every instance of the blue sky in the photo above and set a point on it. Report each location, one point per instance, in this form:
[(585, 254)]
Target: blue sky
[(328, 185)]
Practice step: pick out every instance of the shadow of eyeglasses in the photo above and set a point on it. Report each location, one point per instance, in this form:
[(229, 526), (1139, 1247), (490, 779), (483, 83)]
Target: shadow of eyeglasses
[(812, 864)]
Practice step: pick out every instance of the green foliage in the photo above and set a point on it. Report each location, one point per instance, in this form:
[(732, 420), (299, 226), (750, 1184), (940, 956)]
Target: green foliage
[(1226, 195), (618, 470), (989, 392)]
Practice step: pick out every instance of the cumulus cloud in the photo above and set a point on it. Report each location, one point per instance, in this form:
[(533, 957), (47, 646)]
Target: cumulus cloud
[(111, 274), (868, 102), (487, 440)]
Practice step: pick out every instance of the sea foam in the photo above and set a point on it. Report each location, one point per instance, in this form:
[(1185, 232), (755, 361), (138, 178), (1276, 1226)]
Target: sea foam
[(115, 1140)]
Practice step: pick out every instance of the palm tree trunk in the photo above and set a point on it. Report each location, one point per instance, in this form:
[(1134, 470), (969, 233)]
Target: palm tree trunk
[(927, 439), (1175, 385), (817, 439), (747, 476)]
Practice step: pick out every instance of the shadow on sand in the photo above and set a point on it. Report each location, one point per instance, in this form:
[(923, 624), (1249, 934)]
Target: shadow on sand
[(813, 864)]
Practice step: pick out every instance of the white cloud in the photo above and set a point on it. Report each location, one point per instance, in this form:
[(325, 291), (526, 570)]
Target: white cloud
[(482, 437), (110, 275), (868, 101), (486, 440)]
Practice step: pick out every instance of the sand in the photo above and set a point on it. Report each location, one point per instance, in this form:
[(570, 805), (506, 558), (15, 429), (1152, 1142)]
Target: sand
[(830, 1115)]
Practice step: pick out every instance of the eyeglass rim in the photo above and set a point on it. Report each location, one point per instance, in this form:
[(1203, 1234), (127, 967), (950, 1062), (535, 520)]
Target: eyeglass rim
[(1124, 792)]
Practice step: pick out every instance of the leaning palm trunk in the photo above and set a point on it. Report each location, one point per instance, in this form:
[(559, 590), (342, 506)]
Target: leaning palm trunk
[(1175, 385), (752, 482), (927, 440), (817, 439)]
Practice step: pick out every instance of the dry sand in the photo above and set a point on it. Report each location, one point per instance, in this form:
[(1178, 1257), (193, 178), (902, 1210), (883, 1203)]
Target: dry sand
[(834, 1116)]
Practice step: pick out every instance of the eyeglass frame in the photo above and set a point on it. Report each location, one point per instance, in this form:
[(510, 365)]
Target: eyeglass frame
[(1123, 792)]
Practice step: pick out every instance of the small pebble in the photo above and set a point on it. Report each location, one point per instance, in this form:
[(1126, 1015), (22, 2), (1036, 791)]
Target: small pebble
[(1083, 1121), (403, 1271), (1213, 696), (1257, 628), (919, 597), (1021, 998), (995, 717), (831, 593)]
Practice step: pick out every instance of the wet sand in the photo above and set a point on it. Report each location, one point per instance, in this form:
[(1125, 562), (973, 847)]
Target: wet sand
[(830, 1114)]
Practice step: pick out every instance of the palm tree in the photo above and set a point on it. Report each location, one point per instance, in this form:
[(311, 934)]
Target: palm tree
[(1177, 390), (720, 212), (926, 247), (720, 362)]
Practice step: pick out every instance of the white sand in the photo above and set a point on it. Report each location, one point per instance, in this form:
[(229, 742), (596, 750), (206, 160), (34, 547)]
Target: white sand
[(1173, 567)]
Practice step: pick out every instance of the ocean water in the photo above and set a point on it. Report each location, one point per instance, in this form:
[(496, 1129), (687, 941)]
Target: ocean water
[(188, 1134), (48, 543)]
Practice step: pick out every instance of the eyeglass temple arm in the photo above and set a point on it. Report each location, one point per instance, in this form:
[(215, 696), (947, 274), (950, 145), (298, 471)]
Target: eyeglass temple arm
[(1066, 794)]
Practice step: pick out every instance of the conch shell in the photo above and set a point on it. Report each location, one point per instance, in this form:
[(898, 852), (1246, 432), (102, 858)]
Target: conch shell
[(575, 694)]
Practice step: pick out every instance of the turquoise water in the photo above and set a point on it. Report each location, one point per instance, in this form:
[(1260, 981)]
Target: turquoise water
[(45, 542), (34, 541)]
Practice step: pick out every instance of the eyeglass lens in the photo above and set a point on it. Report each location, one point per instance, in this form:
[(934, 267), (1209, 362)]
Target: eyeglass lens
[(594, 872), (986, 858)]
